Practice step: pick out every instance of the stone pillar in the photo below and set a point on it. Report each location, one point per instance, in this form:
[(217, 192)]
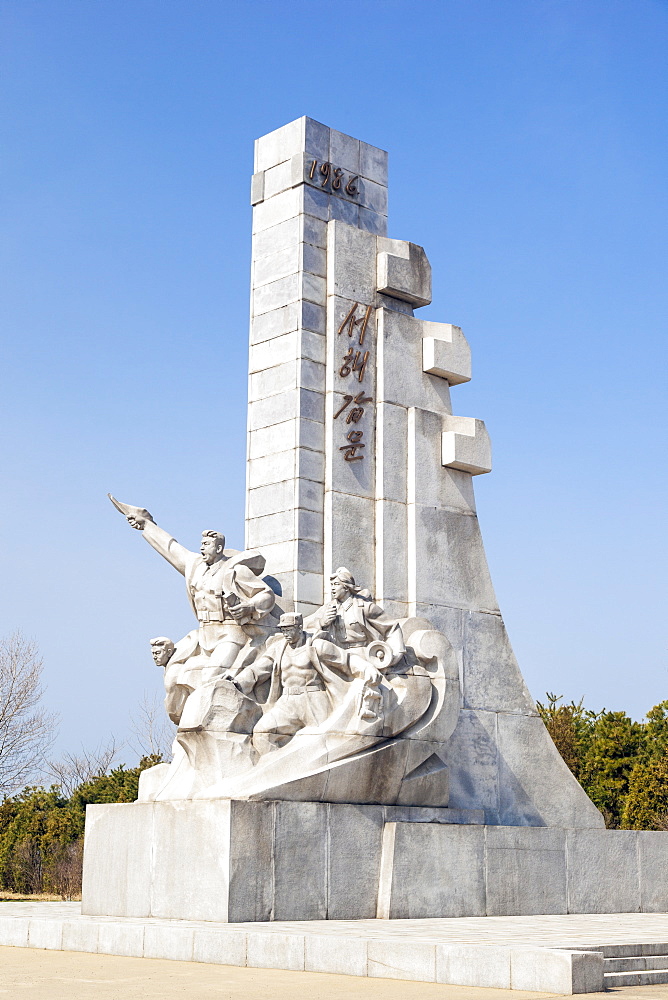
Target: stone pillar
[(307, 177)]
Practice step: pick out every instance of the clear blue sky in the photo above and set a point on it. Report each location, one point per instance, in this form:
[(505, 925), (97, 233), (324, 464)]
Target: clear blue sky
[(527, 146)]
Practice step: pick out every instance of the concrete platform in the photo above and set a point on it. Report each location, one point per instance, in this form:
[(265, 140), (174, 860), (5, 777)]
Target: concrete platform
[(561, 954)]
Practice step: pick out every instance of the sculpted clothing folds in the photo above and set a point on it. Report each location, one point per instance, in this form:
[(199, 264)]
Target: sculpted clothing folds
[(213, 647), (358, 622)]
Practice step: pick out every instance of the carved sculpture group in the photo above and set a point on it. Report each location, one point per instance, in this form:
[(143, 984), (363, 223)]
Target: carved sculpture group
[(260, 698)]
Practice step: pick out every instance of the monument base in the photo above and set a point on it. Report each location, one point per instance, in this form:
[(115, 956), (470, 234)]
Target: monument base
[(229, 860)]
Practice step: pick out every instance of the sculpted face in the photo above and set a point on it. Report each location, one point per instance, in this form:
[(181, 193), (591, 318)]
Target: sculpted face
[(161, 653), (211, 549), (292, 633), (339, 590)]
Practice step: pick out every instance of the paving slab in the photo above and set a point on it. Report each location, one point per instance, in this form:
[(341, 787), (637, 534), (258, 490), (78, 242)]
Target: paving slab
[(542, 954)]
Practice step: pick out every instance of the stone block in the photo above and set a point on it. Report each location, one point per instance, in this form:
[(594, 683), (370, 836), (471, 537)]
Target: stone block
[(46, 934), (219, 947), (283, 236), (278, 209), (275, 266), (465, 445), (288, 347), (402, 960), (300, 877), (251, 892), (287, 174), (390, 534), (437, 871), (603, 871), (121, 938), (428, 482), (446, 353), (344, 151), (400, 378), (308, 589), (284, 406), (257, 188), (530, 768), (473, 764), (491, 676), (653, 853), (350, 538), (80, 935), (275, 324), (470, 965), (313, 317), (525, 871), (272, 468), (14, 932), (174, 942), (302, 135), (276, 294), (314, 231), (182, 878), (455, 545), (284, 436), (279, 145), (351, 266), (279, 527), (275, 951), (377, 771), (373, 163), (345, 956), (551, 970), (117, 860), (315, 202), (372, 222), (391, 452), (403, 269), (344, 211), (373, 197), (301, 373), (355, 837), (314, 260)]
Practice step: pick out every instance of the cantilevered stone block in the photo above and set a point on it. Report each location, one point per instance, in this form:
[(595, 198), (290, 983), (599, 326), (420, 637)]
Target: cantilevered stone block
[(465, 445), (404, 272), (445, 352)]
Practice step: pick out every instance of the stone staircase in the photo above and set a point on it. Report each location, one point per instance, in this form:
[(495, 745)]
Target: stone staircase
[(634, 964)]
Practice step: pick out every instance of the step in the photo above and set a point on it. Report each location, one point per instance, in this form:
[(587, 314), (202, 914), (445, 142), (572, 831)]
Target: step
[(614, 979), (639, 963), (632, 950)]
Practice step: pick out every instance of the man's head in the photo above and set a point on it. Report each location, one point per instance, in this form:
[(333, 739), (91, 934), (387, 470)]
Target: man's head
[(212, 547), (342, 584), (291, 625), (161, 650)]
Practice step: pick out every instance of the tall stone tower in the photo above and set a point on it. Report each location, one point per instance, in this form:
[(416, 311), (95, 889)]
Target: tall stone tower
[(355, 457)]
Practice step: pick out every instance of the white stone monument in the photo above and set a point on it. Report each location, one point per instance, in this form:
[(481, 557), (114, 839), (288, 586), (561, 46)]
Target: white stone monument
[(354, 737)]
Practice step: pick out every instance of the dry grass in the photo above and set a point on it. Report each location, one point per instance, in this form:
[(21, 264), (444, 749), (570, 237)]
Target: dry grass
[(27, 897)]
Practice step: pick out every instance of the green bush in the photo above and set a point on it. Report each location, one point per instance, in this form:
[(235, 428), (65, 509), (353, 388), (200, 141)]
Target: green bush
[(41, 831), (621, 764)]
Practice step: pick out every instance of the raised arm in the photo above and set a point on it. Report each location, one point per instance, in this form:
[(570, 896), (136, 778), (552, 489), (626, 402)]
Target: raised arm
[(159, 539)]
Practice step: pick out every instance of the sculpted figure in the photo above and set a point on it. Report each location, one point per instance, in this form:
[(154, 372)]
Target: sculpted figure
[(301, 692), (228, 597), (161, 650), (352, 620)]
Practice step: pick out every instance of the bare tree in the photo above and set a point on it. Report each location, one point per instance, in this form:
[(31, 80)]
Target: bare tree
[(153, 732), (26, 730), (73, 769)]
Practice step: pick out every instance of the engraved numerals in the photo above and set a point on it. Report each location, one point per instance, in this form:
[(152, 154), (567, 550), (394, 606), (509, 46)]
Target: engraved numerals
[(331, 178)]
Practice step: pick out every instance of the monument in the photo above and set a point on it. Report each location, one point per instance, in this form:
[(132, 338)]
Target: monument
[(354, 736)]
